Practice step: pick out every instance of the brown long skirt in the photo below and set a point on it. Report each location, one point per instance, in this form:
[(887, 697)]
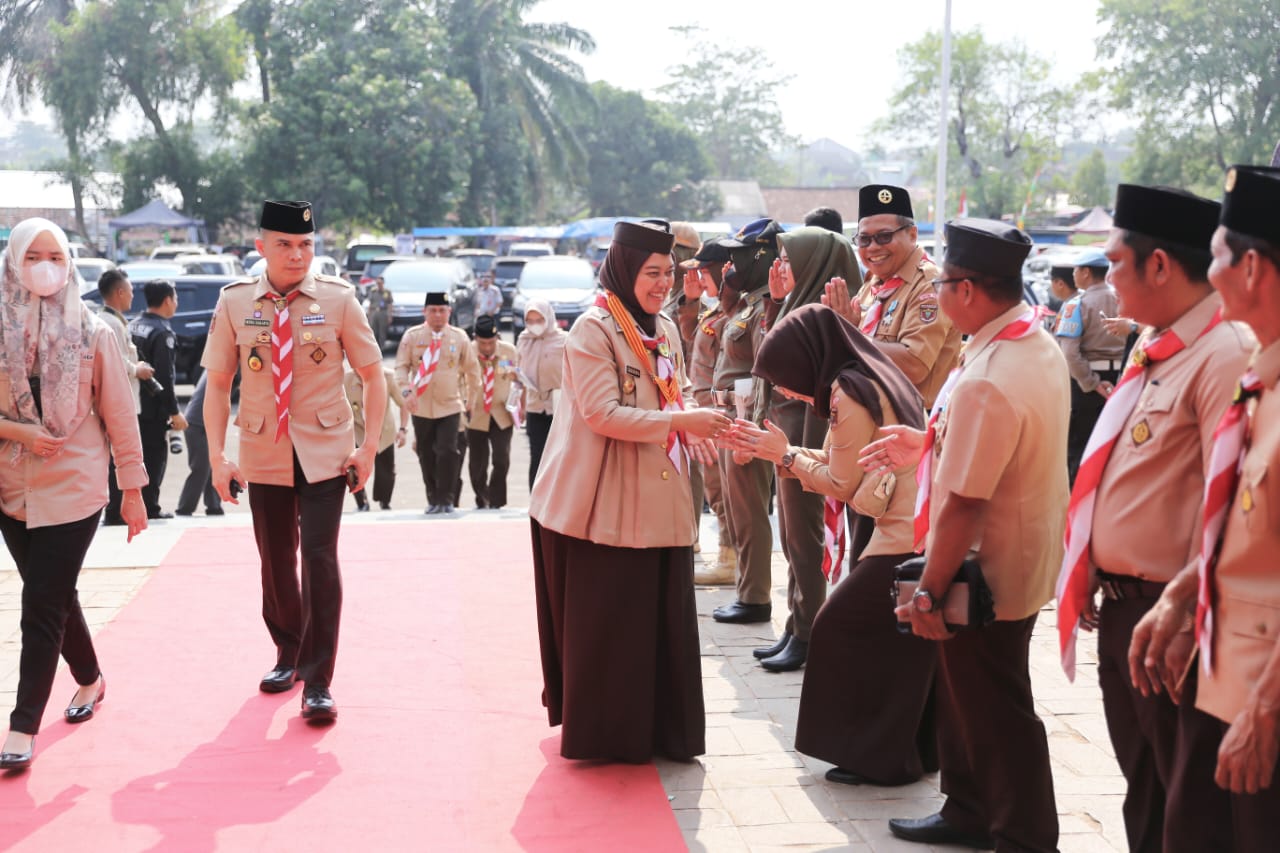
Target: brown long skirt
[(867, 700), (621, 663)]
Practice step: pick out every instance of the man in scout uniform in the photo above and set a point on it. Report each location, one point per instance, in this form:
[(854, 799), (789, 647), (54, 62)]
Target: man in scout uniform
[(746, 481), (286, 332), (1133, 520), (1226, 601), (897, 306), (701, 328), (993, 488), (489, 422), (393, 435), (1093, 354), (432, 364)]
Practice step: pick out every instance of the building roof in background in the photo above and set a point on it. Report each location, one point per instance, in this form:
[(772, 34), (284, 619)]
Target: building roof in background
[(790, 204)]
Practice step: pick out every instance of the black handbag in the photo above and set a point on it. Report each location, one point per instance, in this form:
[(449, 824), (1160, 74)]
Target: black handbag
[(967, 603)]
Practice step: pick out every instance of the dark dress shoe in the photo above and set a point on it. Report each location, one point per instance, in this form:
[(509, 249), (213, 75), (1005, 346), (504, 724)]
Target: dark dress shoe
[(770, 651), (847, 777), (317, 704), (446, 509), (217, 510), (384, 504), (278, 680), (184, 513), (18, 760), (934, 829), (80, 713), (431, 510), (159, 515), (362, 507), (112, 521), (742, 614), (790, 658)]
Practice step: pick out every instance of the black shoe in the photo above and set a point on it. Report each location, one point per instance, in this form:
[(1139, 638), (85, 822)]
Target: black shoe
[(80, 713), (185, 513), (935, 830), (384, 504), (742, 614), (18, 760), (217, 510), (317, 704), (431, 510), (364, 507), (790, 658), (112, 521), (847, 777), (445, 509), (761, 654), (279, 679), (159, 514)]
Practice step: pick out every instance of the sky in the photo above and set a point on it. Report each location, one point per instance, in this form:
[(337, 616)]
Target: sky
[(851, 45)]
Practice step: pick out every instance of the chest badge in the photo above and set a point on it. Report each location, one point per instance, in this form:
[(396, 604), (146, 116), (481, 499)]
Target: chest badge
[(263, 338), (1141, 433), (317, 355), (306, 336), (1246, 500), (255, 361), (928, 312), (315, 308), (628, 386)]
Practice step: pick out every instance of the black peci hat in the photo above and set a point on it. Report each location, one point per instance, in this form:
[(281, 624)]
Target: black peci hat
[(1166, 213), (712, 254), (987, 247), (437, 297), (485, 327), (652, 235), (287, 217), (1250, 202), (874, 199)]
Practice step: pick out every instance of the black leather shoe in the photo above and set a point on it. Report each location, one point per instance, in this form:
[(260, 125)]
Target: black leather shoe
[(184, 513), (384, 504), (846, 777), (790, 658), (278, 680), (446, 509), (431, 510), (935, 830), (770, 651), (215, 511), (112, 521), (159, 515), (317, 704), (80, 713), (742, 614), (18, 760)]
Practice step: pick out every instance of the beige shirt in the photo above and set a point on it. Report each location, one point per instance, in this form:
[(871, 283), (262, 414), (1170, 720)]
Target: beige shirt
[(120, 328), (446, 394), (354, 388), (1003, 439), (1084, 338), (1246, 612), (834, 471), (1146, 515), (326, 322), (542, 363), (702, 330), (740, 338), (605, 475), (910, 316), (72, 484), (504, 362)]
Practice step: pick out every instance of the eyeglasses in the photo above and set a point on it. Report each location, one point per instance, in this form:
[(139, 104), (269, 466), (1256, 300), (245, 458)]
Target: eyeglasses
[(938, 282), (881, 238)]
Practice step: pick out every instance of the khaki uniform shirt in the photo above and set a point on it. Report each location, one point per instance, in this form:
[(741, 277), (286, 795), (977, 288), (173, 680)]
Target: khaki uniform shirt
[(834, 471), (911, 317), (740, 339), (505, 362), (446, 394), (702, 330), (1146, 514), (1246, 615), (72, 484), (1083, 337), (128, 350), (354, 388), (605, 475), (1003, 438), (326, 322), (541, 362)]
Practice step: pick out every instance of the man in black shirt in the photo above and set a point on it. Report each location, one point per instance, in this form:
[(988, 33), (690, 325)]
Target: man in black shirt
[(155, 341)]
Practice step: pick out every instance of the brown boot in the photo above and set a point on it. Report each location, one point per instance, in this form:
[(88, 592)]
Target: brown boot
[(715, 574)]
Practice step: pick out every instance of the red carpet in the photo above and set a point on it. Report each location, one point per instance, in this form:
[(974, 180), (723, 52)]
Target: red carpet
[(441, 742)]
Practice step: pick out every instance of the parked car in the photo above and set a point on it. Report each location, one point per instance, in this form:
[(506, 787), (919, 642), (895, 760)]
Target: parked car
[(411, 280), (506, 272), (149, 270), (173, 250), (210, 264), (596, 252), (320, 265), (530, 250), (569, 284), (481, 260), (359, 254), (376, 267), (91, 269)]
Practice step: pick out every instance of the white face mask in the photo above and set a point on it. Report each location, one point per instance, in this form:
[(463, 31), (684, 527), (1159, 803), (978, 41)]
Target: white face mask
[(44, 278), (536, 329)]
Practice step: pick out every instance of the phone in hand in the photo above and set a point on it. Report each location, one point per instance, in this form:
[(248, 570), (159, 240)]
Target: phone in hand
[(234, 488), (353, 477)]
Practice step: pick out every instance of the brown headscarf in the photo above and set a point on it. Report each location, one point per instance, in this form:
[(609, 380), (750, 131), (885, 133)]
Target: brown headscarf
[(633, 243), (814, 346)]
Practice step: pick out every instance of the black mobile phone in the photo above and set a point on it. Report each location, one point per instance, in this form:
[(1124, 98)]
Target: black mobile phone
[(353, 476), (234, 488)]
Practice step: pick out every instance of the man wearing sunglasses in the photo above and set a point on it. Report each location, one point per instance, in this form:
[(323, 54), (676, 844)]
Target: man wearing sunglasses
[(897, 305)]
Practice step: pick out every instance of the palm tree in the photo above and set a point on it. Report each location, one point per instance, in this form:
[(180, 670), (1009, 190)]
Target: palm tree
[(519, 74)]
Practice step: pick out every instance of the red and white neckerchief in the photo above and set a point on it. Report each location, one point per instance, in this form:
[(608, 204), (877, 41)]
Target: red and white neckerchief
[(427, 367), (884, 289), (1073, 579), (282, 360), (1026, 324), (488, 386), (1230, 441), (834, 539)]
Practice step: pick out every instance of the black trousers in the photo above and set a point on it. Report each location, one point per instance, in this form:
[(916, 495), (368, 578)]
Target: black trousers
[(536, 426), (302, 620), (439, 458), (49, 561), (155, 457), (490, 488), (199, 480), (1086, 406), (384, 476)]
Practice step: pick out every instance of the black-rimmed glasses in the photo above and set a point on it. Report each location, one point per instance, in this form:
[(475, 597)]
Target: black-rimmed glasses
[(881, 238), (938, 282)]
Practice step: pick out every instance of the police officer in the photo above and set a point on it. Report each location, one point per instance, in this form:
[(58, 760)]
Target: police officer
[(489, 422), (1093, 354), (432, 364), (155, 342), (287, 331)]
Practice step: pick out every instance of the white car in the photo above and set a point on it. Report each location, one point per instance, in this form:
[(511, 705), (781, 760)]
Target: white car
[(210, 264), (172, 250), (91, 269), (320, 265)]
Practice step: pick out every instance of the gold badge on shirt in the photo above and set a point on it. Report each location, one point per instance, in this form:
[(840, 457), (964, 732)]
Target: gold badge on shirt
[(628, 386), (1246, 500), (1141, 433)]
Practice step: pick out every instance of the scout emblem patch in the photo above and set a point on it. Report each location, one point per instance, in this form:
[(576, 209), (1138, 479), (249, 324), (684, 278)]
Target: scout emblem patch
[(885, 196), (263, 338), (1141, 433), (928, 312)]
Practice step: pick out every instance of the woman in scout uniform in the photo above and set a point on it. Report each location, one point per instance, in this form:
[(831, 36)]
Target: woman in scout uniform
[(866, 705), (612, 522)]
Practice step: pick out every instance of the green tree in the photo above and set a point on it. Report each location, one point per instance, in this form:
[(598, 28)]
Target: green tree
[(728, 97), (1090, 186), (522, 81), (1004, 116), (1202, 79)]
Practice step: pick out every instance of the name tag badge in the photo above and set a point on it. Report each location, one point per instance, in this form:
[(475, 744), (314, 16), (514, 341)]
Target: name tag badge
[(312, 319), (254, 321), (634, 371)]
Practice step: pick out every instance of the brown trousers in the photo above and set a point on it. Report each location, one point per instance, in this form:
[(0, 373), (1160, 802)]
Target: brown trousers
[(800, 521), (747, 510)]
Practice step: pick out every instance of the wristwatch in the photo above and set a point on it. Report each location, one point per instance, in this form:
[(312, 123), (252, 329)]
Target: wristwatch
[(787, 459), (923, 601)]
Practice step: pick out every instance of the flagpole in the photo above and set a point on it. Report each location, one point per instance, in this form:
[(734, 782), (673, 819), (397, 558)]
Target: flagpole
[(940, 191)]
